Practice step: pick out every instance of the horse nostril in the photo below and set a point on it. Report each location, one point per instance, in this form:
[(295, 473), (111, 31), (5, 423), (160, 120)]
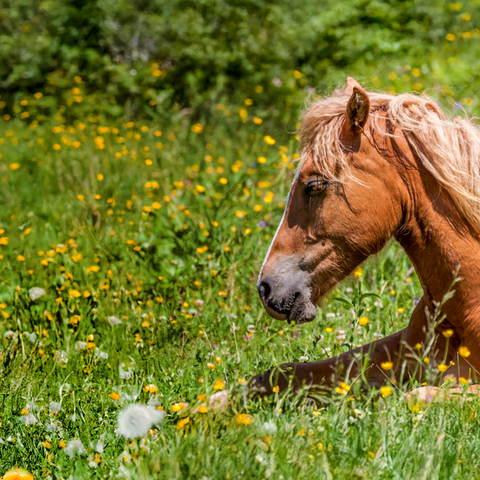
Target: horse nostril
[(264, 290)]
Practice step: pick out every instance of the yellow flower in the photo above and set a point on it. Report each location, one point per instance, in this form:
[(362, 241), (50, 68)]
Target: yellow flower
[(21, 258), (257, 121), (17, 474), (203, 409), (14, 166), (200, 188), (442, 367), (100, 177), (400, 310), (176, 407), (152, 389), (358, 272), (464, 351), (223, 181), (387, 365), (262, 160), (211, 366), (182, 423), (62, 444), (450, 37), (74, 293), (426, 360), (385, 391), (463, 380), (269, 140), (243, 419), (242, 381), (218, 385), (447, 333), (276, 388), (197, 128), (329, 330), (363, 321), (3, 240), (114, 396)]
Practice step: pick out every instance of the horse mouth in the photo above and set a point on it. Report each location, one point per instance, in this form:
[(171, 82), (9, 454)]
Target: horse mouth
[(296, 309)]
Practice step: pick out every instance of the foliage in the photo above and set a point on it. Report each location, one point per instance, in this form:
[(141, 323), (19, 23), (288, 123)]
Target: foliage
[(127, 57)]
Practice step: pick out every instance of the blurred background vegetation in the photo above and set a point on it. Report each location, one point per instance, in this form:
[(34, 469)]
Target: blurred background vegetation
[(144, 57)]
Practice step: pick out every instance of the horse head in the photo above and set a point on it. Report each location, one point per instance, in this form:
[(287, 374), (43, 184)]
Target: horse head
[(344, 204)]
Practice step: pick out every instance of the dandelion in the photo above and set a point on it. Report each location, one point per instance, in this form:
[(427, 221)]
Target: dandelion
[(464, 351), (218, 385), (182, 423), (363, 321), (17, 474), (176, 407), (387, 365), (385, 391), (74, 447), (36, 292), (243, 419), (136, 419)]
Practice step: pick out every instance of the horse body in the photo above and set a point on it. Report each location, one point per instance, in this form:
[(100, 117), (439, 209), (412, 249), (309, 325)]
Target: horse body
[(367, 175)]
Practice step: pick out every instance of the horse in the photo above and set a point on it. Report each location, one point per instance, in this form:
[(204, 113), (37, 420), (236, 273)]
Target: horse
[(373, 167)]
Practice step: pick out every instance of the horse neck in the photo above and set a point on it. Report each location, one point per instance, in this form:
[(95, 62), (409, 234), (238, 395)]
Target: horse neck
[(441, 246)]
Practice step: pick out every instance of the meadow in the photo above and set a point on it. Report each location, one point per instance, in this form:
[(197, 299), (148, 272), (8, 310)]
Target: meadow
[(129, 257)]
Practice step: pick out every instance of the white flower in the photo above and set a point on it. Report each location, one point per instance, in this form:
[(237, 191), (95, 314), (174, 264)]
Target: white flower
[(31, 336), (61, 356), (36, 293), (330, 315), (55, 407), (113, 320), (136, 419), (29, 419), (125, 373), (92, 464), (9, 334), (74, 447), (81, 345), (259, 459), (269, 428)]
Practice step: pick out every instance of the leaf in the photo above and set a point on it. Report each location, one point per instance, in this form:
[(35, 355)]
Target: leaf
[(370, 294), (344, 300)]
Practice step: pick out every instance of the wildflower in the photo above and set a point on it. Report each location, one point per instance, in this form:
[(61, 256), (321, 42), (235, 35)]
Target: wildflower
[(262, 160), (386, 391), (269, 140), (152, 389), (426, 360), (329, 330), (36, 292), (387, 365), (211, 366), (74, 447), (218, 385), (17, 474), (442, 368), (464, 351), (182, 423), (135, 420), (176, 407), (363, 321), (74, 293), (3, 240), (62, 444), (257, 121), (223, 181), (463, 380), (197, 128), (243, 419), (447, 333), (21, 258), (114, 396), (203, 409), (358, 272), (275, 389)]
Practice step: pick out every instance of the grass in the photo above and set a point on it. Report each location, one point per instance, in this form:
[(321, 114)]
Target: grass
[(134, 221)]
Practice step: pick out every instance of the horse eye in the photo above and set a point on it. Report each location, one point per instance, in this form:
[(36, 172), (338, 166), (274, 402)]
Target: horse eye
[(315, 187)]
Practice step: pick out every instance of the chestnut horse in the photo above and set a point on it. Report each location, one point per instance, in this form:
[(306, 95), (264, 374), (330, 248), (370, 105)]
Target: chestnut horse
[(376, 166)]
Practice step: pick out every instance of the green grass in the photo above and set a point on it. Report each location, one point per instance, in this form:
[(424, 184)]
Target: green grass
[(152, 263)]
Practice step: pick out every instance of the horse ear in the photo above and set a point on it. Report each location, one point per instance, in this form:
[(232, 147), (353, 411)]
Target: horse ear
[(357, 108)]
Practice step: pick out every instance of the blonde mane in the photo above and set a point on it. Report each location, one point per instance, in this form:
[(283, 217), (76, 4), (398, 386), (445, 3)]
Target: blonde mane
[(449, 149)]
